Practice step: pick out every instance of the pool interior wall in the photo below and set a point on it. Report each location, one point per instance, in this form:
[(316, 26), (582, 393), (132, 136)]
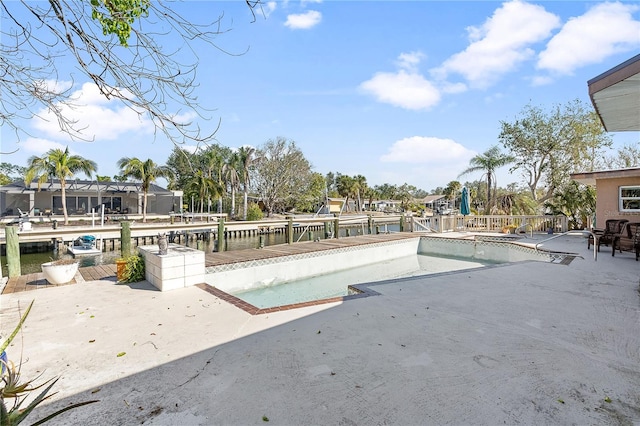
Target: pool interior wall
[(244, 276)]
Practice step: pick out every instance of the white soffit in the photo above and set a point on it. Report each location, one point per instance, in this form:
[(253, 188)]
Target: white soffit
[(615, 95)]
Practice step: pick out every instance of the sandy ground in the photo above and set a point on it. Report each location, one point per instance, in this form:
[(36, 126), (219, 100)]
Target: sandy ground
[(525, 343)]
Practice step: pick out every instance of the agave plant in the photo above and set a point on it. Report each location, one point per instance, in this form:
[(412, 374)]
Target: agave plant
[(15, 389)]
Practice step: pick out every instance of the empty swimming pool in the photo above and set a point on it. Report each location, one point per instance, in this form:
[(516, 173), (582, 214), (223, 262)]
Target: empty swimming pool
[(336, 284), (313, 276)]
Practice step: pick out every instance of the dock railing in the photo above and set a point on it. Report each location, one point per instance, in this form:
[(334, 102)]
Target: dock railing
[(490, 223)]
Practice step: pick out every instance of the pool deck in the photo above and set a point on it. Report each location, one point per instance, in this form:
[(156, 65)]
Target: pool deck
[(527, 343)]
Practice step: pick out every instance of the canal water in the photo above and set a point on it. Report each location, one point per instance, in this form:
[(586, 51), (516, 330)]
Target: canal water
[(31, 263)]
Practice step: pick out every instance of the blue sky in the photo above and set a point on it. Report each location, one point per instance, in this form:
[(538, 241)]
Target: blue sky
[(403, 91)]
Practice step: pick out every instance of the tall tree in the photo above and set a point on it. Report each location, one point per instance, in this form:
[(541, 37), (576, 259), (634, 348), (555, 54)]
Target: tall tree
[(548, 146), (61, 165), (126, 48), (10, 172), (247, 158), (147, 172), (346, 186), (452, 189), (626, 156), (231, 175), (281, 173), (488, 162)]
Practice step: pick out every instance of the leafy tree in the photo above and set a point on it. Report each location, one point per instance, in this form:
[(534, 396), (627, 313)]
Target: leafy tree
[(203, 186), (254, 212), (330, 180), (101, 178), (549, 145), (405, 194), (452, 190), (182, 164), (344, 186), (311, 194), (488, 162), (387, 191), (61, 165), (147, 172), (247, 158), (576, 201), (124, 47), (625, 157), (232, 175), (10, 172), (371, 194), (280, 175)]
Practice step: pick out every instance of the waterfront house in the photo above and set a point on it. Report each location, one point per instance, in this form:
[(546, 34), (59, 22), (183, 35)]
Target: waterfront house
[(85, 196)]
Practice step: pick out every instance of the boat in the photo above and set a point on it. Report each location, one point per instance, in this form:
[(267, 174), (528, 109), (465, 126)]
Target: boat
[(84, 246)]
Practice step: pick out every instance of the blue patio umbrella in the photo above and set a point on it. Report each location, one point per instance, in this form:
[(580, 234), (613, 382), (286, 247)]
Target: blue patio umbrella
[(464, 202)]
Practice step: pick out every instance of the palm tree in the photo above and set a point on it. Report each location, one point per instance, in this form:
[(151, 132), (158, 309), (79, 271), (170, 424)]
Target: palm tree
[(58, 164), (488, 162), (231, 174), (247, 158), (203, 185), (146, 172), (214, 162)]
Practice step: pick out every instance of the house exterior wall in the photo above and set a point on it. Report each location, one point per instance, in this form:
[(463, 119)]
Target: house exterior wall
[(607, 202)]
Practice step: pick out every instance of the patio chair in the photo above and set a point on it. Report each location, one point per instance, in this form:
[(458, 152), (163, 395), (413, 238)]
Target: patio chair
[(606, 236), (628, 239)]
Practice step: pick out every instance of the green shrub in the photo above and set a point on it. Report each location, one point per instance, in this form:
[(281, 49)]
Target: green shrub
[(134, 269), (254, 212)]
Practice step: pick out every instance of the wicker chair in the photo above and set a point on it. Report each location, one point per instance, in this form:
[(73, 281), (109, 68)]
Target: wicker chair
[(628, 239), (606, 236)]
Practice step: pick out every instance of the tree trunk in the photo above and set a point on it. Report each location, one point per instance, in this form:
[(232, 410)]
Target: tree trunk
[(144, 207), (233, 203), (489, 183), (63, 188), (244, 211)]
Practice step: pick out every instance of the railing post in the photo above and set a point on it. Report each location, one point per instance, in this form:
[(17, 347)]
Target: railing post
[(13, 251), (221, 239), (336, 226), (125, 239), (290, 231)]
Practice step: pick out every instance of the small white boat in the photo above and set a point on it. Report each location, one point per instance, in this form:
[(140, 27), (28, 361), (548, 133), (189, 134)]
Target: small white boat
[(84, 246)]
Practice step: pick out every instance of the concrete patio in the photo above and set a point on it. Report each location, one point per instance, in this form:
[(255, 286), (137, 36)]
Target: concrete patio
[(527, 343)]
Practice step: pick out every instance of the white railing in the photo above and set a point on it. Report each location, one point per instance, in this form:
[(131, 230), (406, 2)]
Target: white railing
[(490, 223)]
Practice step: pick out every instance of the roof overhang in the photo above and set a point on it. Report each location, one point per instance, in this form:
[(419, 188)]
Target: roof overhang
[(615, 94), (589, 178)]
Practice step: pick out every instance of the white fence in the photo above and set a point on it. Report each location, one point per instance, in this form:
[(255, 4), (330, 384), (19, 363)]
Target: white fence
[(492, 223)]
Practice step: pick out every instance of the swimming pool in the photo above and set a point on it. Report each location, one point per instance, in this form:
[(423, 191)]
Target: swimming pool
[(336, 284), (265, 284)]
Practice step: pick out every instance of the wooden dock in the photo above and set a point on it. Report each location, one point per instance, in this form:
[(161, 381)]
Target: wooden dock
[(108, 272)]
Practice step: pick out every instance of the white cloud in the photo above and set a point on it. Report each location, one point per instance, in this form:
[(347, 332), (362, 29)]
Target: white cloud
[(410, 61), (405, 88), (269, 7), (501, 43), (427, 150), (303, 21), (39, 146), (98, 117), (605, 29)]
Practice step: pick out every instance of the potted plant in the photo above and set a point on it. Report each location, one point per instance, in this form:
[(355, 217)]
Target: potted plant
[(60, 271), (130, 269)]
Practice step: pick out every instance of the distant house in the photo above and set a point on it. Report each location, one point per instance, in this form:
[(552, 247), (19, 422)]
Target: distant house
[(84, 196), (435, 202)]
